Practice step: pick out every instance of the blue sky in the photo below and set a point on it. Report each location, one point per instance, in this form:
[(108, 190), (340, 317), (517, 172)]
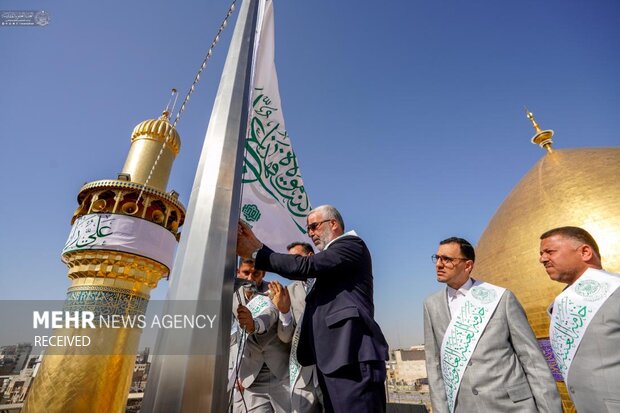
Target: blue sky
[(406, 115)]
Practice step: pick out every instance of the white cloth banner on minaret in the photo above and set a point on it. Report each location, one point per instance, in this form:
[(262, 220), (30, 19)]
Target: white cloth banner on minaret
[(274, 200), (116, 232)]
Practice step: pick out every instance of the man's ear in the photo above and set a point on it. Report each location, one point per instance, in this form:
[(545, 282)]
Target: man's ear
[(587, 253), (469, 265)]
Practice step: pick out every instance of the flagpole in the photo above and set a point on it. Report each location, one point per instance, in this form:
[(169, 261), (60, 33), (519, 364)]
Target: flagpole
[(189, 372)]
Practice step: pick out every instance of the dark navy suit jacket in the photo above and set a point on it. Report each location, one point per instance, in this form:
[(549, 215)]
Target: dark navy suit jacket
[(338, 327)]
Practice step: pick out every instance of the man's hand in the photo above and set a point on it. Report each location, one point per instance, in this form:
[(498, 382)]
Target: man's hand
[(247, 242), (280, 297), (246, 321)]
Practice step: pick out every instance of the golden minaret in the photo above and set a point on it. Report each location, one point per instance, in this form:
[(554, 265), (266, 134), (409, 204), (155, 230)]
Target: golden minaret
[(577, 187), (122, 243)]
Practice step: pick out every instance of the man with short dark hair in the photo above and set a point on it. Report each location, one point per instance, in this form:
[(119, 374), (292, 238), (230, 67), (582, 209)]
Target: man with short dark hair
[(585, 319), (481, 353), (262, 384), (338, 331), (306, 395), (300, 248)]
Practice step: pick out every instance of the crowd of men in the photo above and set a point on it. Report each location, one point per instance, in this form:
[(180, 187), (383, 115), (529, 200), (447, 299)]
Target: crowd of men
[(314, 345)]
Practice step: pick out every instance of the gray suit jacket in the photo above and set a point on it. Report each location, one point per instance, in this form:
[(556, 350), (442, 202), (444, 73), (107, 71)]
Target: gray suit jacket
[(297, 293), (264, 347), (506, 373), (594, 375)]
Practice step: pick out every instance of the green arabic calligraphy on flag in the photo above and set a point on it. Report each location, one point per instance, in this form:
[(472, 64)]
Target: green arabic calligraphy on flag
[(274, 202)]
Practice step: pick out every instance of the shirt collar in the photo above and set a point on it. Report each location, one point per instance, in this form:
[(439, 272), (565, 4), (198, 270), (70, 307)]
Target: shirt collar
[(346, 234), (461, 291)]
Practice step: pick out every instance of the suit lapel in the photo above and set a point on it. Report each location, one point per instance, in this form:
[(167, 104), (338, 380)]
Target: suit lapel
[(298, 300), (442, 319)]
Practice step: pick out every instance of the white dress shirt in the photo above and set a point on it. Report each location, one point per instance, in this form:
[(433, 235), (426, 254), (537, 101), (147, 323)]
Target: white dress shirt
[(346, 234), (456, 297)]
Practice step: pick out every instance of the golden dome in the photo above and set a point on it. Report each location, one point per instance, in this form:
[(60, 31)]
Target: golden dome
[(566, 187), (158, 129), (575, 187)]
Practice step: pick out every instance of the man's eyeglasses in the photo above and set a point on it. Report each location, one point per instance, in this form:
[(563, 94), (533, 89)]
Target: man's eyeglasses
[(445, 259), (315, 225)]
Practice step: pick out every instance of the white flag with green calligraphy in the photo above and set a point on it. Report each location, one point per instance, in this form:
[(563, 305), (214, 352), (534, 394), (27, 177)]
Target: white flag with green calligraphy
[(274, 200)]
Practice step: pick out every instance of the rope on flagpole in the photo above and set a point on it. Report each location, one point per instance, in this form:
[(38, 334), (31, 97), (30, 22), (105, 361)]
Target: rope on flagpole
[(191, 90)]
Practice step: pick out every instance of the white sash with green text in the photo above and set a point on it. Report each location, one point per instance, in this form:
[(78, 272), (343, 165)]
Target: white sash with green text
[(258, 305), (464, 332), (574, 309), (294, 366)]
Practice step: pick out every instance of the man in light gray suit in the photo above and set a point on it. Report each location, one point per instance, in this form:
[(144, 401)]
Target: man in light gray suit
[(590, 358), (262, 378), (306, 394), (490, 361)]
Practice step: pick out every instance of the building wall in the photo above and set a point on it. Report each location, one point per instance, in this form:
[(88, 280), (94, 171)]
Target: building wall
[(407, 366)]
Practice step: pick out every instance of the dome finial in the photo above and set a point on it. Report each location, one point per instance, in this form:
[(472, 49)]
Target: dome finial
[(542, 137), (165, 115)]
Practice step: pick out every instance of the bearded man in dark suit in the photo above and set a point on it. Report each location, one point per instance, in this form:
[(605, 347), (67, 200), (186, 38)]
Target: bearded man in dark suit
[(338, 333)]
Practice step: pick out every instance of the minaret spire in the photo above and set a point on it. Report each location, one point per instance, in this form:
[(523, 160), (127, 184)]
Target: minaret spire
[(542, 137), (119, 248), (172, 102)]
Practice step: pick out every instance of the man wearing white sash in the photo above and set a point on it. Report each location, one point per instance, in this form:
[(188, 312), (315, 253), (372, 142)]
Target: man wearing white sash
[(481, 354), (262, 384), (306, 394), (585, 319)]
